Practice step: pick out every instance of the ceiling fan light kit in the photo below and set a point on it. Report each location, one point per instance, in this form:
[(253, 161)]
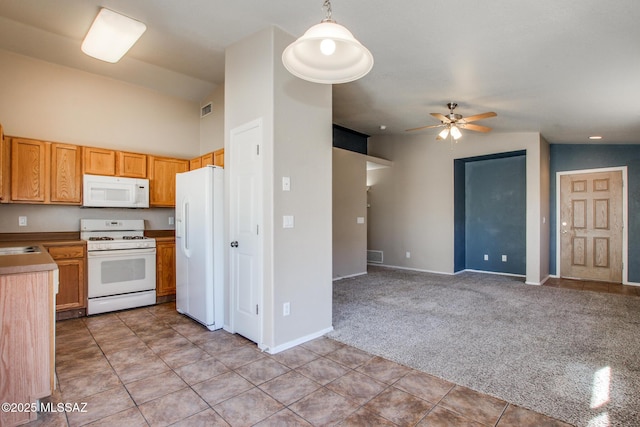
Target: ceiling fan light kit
[(327, 53), (111, 36), (453, 122)]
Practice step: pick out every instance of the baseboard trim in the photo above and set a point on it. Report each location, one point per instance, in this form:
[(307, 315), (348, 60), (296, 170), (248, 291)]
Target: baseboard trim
[(349, 275), (301, 340), (410, 269), (493, 272)]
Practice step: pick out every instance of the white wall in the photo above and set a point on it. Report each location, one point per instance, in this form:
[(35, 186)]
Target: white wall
[(349, 203), (545, 200), (212, 125), (297, 143), (412, 203), (47, 101)]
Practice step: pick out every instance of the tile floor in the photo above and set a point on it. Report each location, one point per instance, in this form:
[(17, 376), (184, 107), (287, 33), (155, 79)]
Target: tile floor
[(153, 366)]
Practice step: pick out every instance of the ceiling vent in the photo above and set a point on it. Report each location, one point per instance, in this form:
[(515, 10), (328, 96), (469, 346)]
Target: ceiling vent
[(206, 110)]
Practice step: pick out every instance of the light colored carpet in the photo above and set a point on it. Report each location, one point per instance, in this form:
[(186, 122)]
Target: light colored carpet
[(573, 355)]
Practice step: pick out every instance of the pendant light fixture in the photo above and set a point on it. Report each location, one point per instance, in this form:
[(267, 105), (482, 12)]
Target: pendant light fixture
[(327, 53)]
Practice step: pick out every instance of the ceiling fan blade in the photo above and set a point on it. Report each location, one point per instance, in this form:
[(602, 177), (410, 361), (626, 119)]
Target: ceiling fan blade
[(424, 127), (441, 117), (479, 117), (471, 126)]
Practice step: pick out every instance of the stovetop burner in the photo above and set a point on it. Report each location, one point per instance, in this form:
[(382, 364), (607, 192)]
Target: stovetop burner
[(107, 234)]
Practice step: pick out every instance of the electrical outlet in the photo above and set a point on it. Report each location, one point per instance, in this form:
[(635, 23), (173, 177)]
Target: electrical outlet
[(504, 258), (171, 220), (22, 221), (486, 257), (286, 309), (408, 254)]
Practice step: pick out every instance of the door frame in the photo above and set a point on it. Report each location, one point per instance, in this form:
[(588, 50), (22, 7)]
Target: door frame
[(625, 240), (260, 214)]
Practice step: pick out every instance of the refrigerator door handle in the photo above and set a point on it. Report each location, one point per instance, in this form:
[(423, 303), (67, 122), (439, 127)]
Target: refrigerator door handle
[(185, 216)]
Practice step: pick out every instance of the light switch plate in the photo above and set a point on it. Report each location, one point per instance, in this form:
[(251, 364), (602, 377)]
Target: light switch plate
[(287, 221), (286, 183), (360, 220)]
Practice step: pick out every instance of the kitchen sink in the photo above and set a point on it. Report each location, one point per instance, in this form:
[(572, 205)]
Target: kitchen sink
[(20, 250)]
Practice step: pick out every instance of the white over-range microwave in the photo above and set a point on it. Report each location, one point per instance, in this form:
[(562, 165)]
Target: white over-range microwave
[(115, 192)]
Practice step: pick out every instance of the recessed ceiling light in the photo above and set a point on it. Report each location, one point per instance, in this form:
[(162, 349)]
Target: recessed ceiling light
[(595, 137), (111, 36), (383, 127)]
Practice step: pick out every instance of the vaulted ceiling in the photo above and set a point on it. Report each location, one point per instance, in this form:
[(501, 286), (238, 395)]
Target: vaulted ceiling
[(567, 69)]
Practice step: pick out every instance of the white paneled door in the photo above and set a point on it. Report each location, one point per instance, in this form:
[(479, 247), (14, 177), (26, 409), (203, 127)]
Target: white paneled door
[(245, 171)]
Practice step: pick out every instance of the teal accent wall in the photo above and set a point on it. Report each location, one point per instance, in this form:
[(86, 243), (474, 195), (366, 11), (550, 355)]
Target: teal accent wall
[(490, 213), (568, 157)]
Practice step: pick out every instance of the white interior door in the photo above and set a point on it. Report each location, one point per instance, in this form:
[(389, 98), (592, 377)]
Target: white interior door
[(245, 173)]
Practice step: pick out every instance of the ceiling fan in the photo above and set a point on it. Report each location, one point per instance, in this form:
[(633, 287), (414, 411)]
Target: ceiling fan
[(453, 122)]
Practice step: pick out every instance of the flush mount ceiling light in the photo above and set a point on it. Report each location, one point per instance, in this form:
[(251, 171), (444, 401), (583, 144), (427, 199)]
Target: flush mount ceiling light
[(327, 53), (111, 36)]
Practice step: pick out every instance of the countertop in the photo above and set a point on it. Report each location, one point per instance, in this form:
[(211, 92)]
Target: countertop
[(25, 263)]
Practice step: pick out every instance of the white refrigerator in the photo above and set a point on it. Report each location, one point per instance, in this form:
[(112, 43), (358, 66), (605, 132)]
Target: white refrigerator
[(199, 245)]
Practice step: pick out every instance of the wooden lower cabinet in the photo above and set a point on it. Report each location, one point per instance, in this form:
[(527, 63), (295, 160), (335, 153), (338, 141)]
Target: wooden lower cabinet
[(165, 266), (71, 300), (27, 350)]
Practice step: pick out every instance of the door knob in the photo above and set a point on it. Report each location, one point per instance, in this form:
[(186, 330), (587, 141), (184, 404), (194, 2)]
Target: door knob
[(234, 244)]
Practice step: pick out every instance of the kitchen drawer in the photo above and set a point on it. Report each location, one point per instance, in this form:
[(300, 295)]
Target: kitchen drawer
[(66, 252)]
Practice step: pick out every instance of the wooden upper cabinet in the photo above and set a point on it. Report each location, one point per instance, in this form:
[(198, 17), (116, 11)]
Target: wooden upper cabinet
[(133, 165), (98, 161), (162, 179), (4, 168), (207, 159), (195, 163), (29, 170), (66, 174), (214, 158), (218, 157)]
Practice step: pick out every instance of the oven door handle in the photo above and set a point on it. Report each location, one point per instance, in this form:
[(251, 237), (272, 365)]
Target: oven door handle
[(120, 252)]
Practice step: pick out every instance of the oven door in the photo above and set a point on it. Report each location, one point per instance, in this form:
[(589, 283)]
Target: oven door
[(115, 272)]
